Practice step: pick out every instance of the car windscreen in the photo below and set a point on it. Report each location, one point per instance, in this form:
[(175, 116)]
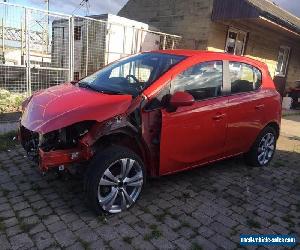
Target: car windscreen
[(131, 75)]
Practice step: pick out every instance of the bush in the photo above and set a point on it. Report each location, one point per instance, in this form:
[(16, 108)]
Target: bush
[(10, 102)]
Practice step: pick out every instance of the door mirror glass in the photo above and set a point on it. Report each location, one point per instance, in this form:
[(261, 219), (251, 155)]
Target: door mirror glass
[(181, 99)]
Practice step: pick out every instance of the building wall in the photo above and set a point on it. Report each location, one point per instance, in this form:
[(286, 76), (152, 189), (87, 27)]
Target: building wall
[(262, 44), (189, 19)]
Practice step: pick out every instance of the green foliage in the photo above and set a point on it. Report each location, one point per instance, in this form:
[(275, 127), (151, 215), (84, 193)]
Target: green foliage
[(10, 102)]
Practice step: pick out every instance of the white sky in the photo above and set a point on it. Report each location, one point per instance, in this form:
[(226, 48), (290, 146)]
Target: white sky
[(113, 6)]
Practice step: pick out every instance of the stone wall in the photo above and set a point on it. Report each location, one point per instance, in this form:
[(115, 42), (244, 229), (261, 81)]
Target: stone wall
[(262, 44), (189, 19)]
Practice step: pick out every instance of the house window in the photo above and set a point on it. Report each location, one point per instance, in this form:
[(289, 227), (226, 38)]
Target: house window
[(235, 42), (76, 76), (77, 33), (283, 60)]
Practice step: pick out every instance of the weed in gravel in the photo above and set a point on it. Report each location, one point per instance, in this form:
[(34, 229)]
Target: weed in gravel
[(2, 225), (128, 240), (102, 219), (7, 141), (5, 192), (85, 244), (155, 233), (196, 246), (273, 222), (26, 227), (253, 224)]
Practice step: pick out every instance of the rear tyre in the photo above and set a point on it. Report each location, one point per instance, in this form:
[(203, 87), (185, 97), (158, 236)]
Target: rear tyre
[(114, 180), (263, 149)]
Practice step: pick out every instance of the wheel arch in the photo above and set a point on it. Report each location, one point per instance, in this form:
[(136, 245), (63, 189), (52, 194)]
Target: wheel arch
[(128, 138), (275, 126)]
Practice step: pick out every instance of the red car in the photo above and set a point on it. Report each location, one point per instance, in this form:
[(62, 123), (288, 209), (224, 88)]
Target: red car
[(155, 113)]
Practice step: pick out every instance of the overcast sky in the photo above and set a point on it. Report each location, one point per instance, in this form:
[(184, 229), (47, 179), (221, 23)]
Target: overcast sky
[(113, 6)]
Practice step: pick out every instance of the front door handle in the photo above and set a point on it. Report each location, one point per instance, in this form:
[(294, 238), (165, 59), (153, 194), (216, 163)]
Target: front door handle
[(219, 117), (260, 107)]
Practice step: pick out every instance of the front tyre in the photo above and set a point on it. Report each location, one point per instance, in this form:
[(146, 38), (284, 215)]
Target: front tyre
[(262, 151), (114, 180)]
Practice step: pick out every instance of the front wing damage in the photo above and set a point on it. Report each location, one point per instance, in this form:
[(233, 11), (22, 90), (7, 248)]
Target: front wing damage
[(83, 151)]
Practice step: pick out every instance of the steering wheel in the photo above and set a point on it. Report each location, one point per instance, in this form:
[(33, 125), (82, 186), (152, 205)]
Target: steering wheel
[(133, 77)]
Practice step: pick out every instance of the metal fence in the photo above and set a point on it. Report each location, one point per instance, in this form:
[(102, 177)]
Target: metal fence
[(40, 49)]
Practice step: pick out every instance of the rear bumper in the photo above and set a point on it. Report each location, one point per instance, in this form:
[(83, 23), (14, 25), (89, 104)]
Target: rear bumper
[(53, 159)]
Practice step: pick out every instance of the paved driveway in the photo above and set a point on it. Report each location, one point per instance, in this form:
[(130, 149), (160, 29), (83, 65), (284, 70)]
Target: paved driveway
[(207, 208)]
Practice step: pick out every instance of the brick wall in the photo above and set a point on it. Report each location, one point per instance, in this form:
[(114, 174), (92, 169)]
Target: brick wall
[(192, 20), (262, 44), (189, 18)]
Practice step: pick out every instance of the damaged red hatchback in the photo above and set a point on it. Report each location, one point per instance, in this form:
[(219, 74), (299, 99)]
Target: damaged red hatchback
[(154, 113)]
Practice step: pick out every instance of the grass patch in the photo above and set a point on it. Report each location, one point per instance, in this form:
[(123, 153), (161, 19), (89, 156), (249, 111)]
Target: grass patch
[(128, 240), (85, 244), (160, 217), (155, 233), (186, 195), (7, 141), (10, 101), (273, 222), (289, 219), (5, 192), (26, 227), (102, 219), (2, 226), (253, 224), (196, 246), (185, 224)]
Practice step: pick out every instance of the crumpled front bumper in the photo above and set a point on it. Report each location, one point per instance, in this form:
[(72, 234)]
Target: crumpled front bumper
[(53, 159)]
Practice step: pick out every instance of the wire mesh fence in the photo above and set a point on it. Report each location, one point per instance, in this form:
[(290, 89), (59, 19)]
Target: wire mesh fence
[(40, 49)]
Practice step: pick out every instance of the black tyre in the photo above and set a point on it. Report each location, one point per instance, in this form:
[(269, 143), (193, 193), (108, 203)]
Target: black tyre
[(114, 180), (263, 149)]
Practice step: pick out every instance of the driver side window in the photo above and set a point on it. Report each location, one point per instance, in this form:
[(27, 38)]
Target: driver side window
[(137, 69), (202, 81)]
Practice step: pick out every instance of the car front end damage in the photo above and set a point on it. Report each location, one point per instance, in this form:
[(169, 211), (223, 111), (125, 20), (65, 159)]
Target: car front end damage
[(58, 148)]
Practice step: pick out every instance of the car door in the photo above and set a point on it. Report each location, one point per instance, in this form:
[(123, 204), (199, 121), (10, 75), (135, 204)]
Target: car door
[(245, 107), (195, 134)]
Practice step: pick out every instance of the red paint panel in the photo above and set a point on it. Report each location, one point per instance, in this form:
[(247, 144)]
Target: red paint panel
[(193, 135), (66, 104)]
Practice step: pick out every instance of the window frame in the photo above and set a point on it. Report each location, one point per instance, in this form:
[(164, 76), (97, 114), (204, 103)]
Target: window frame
[(228, 79), (77, 33), (283, 74), (237, 31), (198, 63)]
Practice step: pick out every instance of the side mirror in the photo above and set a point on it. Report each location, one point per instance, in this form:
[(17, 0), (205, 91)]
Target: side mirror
[(181, 99)]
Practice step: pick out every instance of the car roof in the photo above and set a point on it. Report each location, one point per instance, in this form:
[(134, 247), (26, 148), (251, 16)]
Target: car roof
[(205, 53)]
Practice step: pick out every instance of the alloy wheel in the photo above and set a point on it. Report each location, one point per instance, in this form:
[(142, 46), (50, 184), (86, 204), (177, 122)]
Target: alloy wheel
[(266, 149), (120, 185)]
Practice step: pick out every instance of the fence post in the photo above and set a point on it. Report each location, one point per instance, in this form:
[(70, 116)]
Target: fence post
[(28, 69), (2, 31), (71, 48), (87, 47), (164, 44)]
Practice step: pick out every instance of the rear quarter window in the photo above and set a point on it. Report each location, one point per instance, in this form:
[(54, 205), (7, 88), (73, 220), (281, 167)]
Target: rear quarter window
[(244, 77)]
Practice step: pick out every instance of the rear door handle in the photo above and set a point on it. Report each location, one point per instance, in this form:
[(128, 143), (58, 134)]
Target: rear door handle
[(260, 107), (219, 117)]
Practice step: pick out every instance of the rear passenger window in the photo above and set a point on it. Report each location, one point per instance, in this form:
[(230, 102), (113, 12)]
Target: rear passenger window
[(202, 81), (244, 77)]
